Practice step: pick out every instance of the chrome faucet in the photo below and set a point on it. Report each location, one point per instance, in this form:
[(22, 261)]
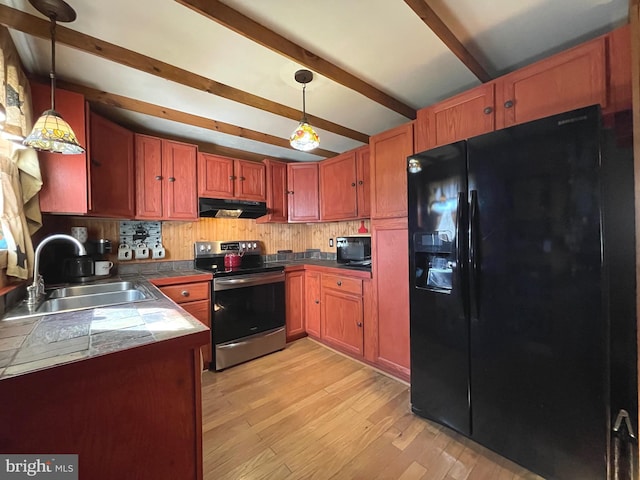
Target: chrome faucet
[(35, 291)]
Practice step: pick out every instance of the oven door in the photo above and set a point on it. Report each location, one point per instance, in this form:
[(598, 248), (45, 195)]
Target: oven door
[(246, 307)]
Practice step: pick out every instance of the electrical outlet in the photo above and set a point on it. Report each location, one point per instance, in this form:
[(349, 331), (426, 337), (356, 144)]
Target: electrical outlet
[(331, 242)]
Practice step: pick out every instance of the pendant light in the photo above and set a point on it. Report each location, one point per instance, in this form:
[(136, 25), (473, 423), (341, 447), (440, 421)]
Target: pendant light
[(304, 136), (50, 132)]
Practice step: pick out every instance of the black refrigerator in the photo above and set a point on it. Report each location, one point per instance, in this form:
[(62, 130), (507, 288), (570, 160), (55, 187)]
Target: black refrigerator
[(522, 294)]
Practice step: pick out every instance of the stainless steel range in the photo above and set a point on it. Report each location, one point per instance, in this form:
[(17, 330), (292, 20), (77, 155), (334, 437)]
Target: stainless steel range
[(248, 301)]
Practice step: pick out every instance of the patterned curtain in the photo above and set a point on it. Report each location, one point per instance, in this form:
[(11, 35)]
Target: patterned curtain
[(20, 179)]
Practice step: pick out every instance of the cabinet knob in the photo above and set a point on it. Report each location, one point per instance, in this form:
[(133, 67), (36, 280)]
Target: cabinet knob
[(488, 110), (508, 104), (353, 184), (172, 179), (290, 192), (339, 283), (185, 293), (317, 301), (232, 177), (241, 179), (95, 162), (360, 182), (158, 177), (359, 324)]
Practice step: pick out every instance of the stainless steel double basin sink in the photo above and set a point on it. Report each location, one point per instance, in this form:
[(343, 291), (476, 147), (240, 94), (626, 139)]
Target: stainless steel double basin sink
[(81, 297)]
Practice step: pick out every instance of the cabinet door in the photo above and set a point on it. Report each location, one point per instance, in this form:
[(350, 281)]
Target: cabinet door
[(466, 115), (276, 187), (64, 177), (302, 184), (619, 44), (250, 180), (363, 169), (389, 151), (294, 288), (112, 173), (338, 192), (342, 320), (215, 176), (179, 187), (202, 311), (312, 303), (148, 160), (390, 261), (569, 80)]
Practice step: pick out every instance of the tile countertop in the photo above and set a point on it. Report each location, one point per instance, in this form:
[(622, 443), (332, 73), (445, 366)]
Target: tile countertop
[(36, 343)]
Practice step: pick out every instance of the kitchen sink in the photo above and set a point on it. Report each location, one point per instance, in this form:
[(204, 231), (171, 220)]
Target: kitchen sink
[(82, 297), (98, 288)]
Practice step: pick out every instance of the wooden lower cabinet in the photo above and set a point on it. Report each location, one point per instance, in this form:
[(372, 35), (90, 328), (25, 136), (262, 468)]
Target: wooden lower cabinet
[(341, 313), (195, 298), (295, 304), (312, 304), (390, 261)]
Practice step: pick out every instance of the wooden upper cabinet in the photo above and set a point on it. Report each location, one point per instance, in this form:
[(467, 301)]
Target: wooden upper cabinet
[(571, 79), (179, 188), (277, 197), (389, 151), (64, 177), (302, 187), (338, 187), (466, 115), (363, 168), (223, 177), (250, 180), (619, 69), (215, 176), (165, 179), (148, 177), (112, 169)]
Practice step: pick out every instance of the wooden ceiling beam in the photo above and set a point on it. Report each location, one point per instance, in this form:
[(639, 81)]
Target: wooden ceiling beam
[(248, 28), (111, 99), (435, 23), (38, 27)]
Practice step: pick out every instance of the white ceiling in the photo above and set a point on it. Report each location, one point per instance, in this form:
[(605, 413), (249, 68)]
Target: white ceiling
[(382, 42)]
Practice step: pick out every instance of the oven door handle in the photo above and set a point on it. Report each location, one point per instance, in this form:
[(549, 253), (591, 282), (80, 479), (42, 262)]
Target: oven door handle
[(247, 281)]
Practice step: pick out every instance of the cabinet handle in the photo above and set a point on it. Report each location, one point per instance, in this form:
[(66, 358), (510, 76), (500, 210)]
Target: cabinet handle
[(185, 293), (172, 179), (488, 110), (317, 301), (359, 324), (360, 182), (508, 104), (158, 177), (339, 283)]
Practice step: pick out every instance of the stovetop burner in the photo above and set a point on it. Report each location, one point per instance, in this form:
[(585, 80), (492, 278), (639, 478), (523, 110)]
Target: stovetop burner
[(209, 256)]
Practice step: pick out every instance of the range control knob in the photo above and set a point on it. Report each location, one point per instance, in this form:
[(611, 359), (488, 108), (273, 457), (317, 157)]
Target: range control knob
[(255, 245), (208, 247)]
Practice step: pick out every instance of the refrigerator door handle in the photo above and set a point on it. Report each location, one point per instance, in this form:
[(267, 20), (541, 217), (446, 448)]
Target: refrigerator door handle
[(474, 256), (461, 260)]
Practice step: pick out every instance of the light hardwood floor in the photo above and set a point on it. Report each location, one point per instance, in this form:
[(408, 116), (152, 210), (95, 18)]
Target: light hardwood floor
[(309, 413)]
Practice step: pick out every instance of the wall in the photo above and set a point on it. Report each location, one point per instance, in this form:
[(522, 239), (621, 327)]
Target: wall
[(179, 237)]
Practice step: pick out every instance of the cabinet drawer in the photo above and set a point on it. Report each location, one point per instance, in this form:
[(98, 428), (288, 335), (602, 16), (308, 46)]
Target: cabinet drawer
[(187, 292), (344, 284)]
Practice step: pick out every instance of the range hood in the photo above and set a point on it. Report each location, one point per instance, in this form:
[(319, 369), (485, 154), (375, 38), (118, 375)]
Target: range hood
[(223, 208)]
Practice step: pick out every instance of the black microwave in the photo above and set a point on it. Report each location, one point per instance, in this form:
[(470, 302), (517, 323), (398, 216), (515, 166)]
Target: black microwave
[(354, 250)]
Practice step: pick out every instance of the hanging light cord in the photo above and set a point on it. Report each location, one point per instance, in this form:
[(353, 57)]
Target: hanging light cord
[(52, 74), (304, 107)]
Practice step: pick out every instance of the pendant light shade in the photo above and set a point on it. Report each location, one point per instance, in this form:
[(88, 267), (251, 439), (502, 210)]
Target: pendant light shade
[(50, 132), (304, 137)]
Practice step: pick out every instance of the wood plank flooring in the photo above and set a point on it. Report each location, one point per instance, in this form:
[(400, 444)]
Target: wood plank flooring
[(310, 413)]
